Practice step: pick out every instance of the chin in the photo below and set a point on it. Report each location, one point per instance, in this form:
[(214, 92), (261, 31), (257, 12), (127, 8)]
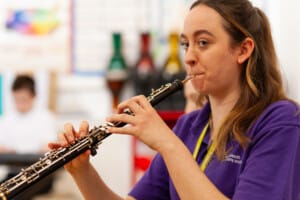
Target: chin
[(23, 111), (198, 86)]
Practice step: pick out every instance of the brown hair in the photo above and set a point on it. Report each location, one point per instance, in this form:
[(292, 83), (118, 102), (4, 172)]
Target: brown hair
[(24, 82), (261, 82)]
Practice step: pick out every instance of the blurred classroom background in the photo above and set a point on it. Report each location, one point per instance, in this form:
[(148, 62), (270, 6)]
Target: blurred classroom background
[(86, 56)]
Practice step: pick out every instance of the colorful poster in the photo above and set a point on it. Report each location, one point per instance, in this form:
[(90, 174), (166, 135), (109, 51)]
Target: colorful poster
[(35, 34)]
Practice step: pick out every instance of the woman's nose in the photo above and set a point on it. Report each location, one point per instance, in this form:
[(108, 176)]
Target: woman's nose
[(190, 57)]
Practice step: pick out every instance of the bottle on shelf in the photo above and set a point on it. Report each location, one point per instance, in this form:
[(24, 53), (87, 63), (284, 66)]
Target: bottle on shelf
[(171, 70), (144, 69), (173, 64), (145, 77), (116, 73), (143, 74)]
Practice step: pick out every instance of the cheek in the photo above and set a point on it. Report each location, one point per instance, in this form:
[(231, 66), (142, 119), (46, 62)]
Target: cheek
[(220, 72), (223, 63)]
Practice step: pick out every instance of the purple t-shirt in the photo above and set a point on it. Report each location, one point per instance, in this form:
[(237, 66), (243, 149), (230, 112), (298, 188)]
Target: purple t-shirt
[(269, 168)]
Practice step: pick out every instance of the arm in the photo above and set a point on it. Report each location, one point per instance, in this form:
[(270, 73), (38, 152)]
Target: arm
[(148, 127), (271, 161), (182, 167), (272, 167)]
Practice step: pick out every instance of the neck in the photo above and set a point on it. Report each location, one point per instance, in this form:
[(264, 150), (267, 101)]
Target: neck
[(220, 108)]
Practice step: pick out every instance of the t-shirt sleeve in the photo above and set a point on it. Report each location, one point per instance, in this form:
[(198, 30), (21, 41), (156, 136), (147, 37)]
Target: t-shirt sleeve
[(272, 167), (155, 182)]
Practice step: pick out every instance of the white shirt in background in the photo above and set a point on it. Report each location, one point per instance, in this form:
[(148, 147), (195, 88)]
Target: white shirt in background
[(28, 133)]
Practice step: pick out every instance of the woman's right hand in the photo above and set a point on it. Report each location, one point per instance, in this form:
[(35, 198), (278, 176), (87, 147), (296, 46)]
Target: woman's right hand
[(67, 137)]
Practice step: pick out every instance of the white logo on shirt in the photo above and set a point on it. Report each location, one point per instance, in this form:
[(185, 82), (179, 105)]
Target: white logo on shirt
[(233, 158)]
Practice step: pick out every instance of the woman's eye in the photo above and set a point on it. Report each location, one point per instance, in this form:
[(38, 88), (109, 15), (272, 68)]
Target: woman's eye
[(202, 43), (184, 45)]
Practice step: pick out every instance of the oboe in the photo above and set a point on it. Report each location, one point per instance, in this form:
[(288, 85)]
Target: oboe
[(55, 159)]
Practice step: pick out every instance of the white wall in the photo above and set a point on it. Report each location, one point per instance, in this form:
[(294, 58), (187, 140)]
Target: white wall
[(285, 21)]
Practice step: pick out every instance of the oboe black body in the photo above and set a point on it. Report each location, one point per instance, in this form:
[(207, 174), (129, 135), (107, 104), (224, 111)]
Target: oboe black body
[(57, 158)]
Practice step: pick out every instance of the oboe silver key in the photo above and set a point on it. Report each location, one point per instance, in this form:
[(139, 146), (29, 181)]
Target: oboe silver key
[(55, 159)]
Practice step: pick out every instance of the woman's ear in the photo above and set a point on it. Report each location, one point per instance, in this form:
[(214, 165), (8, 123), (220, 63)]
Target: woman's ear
[(246, 49)]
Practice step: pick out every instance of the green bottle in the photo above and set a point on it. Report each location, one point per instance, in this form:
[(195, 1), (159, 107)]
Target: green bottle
[(117, 73)]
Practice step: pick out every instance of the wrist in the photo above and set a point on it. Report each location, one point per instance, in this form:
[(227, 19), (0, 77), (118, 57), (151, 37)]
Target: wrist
[(77, 172), (168, 145)]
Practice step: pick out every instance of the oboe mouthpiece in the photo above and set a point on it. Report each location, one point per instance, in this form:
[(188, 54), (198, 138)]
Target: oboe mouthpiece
[(186, 79)]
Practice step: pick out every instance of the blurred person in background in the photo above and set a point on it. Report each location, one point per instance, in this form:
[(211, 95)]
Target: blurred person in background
[(26, 130)]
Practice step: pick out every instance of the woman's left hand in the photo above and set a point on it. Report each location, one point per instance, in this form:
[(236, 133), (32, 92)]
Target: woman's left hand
[(145, 123)]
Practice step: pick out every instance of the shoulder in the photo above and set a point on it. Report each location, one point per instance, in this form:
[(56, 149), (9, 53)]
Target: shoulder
[(8, 118), (284, 107), (279, 115), (44, 117), (281, 112)]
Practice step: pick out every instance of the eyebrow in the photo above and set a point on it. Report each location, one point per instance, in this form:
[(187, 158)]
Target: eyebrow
[(198, 32)]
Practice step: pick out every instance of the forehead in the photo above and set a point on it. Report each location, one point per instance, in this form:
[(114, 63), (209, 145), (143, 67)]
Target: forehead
[(22, 92), (203, 17)]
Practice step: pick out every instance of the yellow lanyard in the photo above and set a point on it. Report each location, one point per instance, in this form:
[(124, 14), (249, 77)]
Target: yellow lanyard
[(209, 153)]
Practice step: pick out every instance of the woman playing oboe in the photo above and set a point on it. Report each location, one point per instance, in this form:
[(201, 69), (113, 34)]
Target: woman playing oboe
[(244, 144)]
